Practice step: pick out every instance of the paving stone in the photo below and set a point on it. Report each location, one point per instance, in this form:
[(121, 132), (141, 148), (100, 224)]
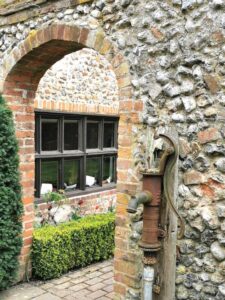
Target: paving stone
[(97, 294), (46, 296), (77, 274), (63, 286), (94, 281), (106, 269), (22, 292), (60, 280), (78, 287), (108, 288), (79, 280), (110, 295), (46, 286), (108, 281), (106, 275), (96, 287), (94, 274), (81, 293), (60, 293)]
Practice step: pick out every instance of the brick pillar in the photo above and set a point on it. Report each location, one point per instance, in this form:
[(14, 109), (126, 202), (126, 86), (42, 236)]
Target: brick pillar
[(19, 97)]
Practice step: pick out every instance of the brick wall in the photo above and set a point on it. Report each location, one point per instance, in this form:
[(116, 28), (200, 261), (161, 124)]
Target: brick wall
[(22, 75)]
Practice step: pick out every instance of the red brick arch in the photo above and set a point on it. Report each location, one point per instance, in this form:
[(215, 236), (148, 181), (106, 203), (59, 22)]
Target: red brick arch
[(22, 70)]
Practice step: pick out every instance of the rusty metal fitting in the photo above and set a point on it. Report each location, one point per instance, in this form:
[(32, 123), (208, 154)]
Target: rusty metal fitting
[(150, 234), (144, 197)]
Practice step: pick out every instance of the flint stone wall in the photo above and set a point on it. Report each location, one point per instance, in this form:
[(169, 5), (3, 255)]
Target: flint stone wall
[(176, 54)]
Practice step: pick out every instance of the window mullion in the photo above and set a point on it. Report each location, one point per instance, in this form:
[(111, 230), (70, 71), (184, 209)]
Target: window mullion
[(84, 134), (61, 174), (38, 177), (83, 173), (61, 134), (100, 134), (101, 170), (40, 134)]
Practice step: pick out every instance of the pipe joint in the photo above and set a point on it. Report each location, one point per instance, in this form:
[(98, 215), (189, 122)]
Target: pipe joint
[(144, 197)]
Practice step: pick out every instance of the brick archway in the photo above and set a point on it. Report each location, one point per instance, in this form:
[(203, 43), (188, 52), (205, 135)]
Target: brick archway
[(22, 70)]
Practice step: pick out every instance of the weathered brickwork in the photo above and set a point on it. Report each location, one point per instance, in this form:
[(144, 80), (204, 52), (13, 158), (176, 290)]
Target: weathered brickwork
[(168, 58), (93, 203)]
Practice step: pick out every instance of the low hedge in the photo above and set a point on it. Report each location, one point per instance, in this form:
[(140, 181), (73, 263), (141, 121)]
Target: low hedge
[(57, 249)]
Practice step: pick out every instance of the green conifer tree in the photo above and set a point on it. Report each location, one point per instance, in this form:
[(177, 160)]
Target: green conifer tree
[(11, 207)]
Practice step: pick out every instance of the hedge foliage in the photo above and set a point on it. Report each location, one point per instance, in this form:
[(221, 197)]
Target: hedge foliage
[(57, 249), (11, 208)]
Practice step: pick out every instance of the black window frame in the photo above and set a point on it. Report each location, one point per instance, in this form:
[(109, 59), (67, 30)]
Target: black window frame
[(82, 153)]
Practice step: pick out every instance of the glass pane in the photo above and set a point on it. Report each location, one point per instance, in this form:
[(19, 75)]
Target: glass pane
[(70, 135), (92, 171), (49, 176), (109, 169), (49, 135), (109, 135), (71, 174), (92, 135)]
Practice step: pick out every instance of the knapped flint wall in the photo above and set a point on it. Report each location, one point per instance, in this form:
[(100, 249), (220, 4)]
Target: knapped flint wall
[(176, 54)]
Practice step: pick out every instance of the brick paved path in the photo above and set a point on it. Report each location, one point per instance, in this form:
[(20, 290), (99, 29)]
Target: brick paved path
[(93, 282)]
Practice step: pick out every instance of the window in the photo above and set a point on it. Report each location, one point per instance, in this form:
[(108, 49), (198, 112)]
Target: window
[(75, 153)]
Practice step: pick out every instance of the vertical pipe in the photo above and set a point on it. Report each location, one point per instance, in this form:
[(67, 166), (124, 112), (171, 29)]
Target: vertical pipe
[(148, 278)]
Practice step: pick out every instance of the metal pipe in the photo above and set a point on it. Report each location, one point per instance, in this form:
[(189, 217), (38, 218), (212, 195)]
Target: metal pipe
[(150, 235), (148, 278), (144, 197)]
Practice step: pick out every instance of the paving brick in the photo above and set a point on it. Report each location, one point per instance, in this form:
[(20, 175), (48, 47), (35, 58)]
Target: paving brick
[(94, 281), (94, 274), (108, 281), (108, 288), (106, 269), (46, 286), (60, 293), (106, 275), (78, 287), (96, 287), (64, 285), (46, 296), (79, 280), (60, 280), (110, 295), (22, 292), (97, 294)]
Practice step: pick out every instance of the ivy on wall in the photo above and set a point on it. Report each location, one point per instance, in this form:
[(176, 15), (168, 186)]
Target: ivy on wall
[(11, 207)]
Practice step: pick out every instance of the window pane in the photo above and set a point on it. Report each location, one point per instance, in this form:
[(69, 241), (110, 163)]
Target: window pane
[(71, 174), (70, 135), (49, 176), (92, 135), (92, 171), (49, 135), (109, 169), (109, 135)]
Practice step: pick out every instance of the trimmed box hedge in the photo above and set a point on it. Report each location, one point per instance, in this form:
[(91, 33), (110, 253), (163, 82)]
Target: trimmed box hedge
[(58, 249)]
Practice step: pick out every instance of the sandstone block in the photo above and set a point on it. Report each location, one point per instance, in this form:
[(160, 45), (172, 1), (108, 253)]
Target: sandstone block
[(194, 177), (211, 83), (209, 135)]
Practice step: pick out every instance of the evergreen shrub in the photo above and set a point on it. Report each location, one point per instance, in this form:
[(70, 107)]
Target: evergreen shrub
[(11, 208), (57, 249)]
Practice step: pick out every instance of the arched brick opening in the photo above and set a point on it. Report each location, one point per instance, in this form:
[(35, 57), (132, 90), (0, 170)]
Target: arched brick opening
[(22, 70)]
